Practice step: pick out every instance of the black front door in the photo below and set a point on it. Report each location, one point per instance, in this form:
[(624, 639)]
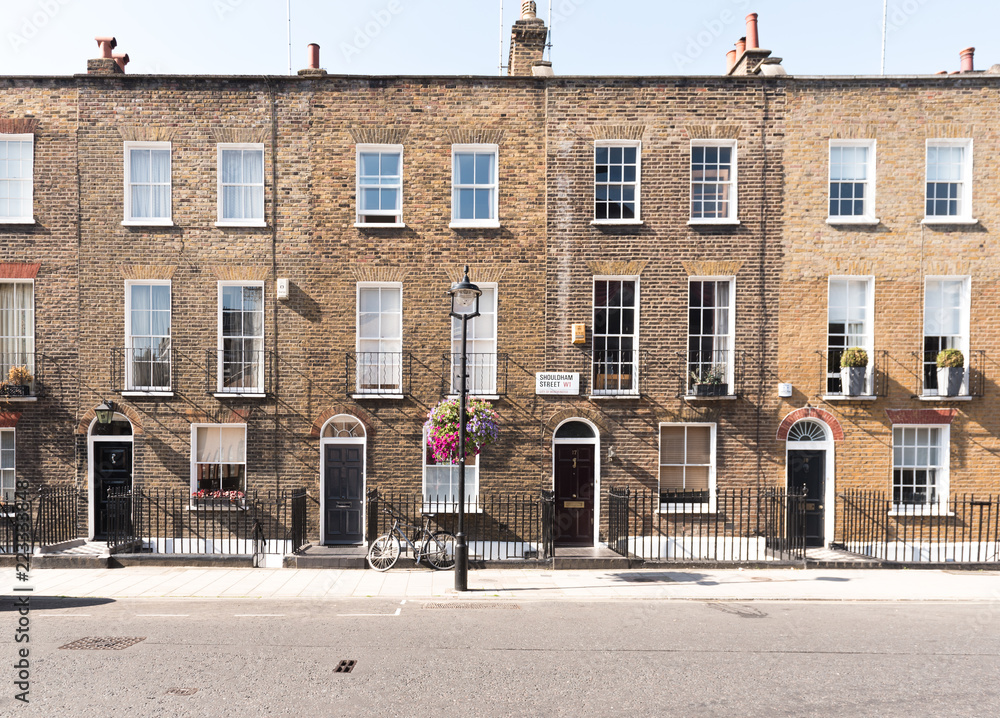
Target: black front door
[(807, 468), (112, 471), (574, 485), (343, 487)]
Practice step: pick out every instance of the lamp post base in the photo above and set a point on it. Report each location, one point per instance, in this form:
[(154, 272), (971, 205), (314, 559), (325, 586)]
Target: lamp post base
[(461, 563)]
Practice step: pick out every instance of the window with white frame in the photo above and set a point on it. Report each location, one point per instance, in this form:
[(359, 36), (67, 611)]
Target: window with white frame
[(8, 482), (241, 185), (17, 326), (219, 457), (380, 338), (241, 337), (616, 335), (16, 178), (147, 183), (849, 324), (481, 347), (616, 180), (713, 182), (147, 335), (380, 184), (711, 310), (474, 186), (946, 324), (852, 180), (920, 466), (949, 181), (687, 463), (441, 481)]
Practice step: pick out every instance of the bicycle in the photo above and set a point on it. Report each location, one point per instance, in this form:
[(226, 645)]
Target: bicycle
[(438, 547)]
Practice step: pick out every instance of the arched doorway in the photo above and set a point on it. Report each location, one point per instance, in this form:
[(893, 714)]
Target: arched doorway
[(109, 468), (809, 461), (576, 480), (342, 468)]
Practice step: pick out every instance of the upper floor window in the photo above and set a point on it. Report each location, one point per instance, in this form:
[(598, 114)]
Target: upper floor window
[(147, 183), (380, 185), (949, 181), (147, 336), (380, 339), (713, 182), (920, 466), (849, 324), (946, 326), (711, 361), (17, 327), (474, 186), (616, 181), (616, 337), (7, 480), (241, 185), (852, 181), (219, 457), (480, 347), (241, 337), (16, 175)]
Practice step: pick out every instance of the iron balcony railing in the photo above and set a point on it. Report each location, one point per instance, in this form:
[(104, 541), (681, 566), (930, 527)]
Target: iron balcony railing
[(20, 374), (377, 373), (876, 374), (44, 517), (617, 372), (972, 382), (486, 373), (239, 371), (713, 372), (142, 368)]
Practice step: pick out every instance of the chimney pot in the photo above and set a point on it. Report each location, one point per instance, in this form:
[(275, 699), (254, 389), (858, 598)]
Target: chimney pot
[(313, 55), (529, 10), (741, 47), (966, 55), (752, 40), (107, 44), (730, 61), (121, 58)]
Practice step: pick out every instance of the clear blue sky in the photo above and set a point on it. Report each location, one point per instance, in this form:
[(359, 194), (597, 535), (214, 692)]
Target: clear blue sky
[(462, 37)]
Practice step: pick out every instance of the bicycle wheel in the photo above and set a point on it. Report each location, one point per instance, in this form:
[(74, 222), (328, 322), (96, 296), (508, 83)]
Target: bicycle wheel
[(439, 550), (384, 552)]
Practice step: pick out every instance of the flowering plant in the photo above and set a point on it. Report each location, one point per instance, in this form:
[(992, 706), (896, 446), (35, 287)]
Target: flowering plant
[(482, 428), (231, 495)]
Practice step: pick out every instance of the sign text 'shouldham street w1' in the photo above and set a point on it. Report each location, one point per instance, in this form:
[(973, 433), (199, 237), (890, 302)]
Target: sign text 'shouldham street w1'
[(559, 383)]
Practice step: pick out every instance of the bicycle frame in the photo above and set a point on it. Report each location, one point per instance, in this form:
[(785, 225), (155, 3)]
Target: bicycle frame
[(423, 533)]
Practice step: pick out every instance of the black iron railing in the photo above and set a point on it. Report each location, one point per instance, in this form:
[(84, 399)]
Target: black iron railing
[(173, 522), (44, 518), (239, 371), (732, 525), (498, 527), (146, 369), (377, 373), (928, 383), (876, 381), (713, 372), (617, 372), (20, 374), (963, 529), (487, 373)]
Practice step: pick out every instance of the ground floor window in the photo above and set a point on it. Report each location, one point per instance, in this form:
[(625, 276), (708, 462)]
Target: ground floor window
[(441, 481), (219, 458), (687, 463), (919, 465), (7, 481)]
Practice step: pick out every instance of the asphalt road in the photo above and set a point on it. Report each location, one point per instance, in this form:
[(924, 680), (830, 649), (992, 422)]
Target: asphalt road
[(500, 658)]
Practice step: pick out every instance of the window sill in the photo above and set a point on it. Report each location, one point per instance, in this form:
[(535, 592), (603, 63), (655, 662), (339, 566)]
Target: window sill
[(484, 397), (433, 508), (483, 224), (239, 395), (936, 397), (378, 396), (685, 509), (613, 222), (619, 396), (848, 397), (724, 397), (243, 223), (713, 221), (217, 507), (17, 220), (870, 221), (378, 225), (132, 392), (949, 220), (147, 223), (920, 511), (18, 399)]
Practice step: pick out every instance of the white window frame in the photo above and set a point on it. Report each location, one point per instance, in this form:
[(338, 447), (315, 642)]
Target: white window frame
[(194, 453), (734, 214), (637, 144), (964, 215), (964, 338), (709, 507), (942, 479), (490, 391), (610, 393), (220, 387), (220, 185), (29, 339), (131, 221), (471, 482), (731, 335), (29, 219), (492, 222), (398, 391), (359, 215), (130, 386), (7, 492), (869, 336), (868, 216)]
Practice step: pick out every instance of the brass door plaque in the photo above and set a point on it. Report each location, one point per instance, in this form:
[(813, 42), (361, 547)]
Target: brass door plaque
[(574, 504)]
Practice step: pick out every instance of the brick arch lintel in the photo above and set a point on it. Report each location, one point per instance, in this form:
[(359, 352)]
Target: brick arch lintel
[(130, 413), (810, 411), (578, 413), (350, 410)]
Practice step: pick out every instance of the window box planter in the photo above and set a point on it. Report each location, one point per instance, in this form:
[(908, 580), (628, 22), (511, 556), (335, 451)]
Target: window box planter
[(852, 380), (720, 389), (15, 390), (950, 380)]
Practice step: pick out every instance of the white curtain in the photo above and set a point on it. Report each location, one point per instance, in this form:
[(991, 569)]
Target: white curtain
[(17, 326)]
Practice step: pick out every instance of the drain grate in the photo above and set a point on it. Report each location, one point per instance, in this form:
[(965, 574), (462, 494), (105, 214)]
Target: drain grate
[(473, 605), (103, 643), (182, 691), (345, 667)]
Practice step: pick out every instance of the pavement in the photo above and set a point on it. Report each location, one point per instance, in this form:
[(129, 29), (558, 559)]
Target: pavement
[(522, 585)]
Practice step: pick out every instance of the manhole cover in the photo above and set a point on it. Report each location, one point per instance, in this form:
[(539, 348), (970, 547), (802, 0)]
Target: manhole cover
[(182, 691), (345, 667), (103, 643), (472, 604)]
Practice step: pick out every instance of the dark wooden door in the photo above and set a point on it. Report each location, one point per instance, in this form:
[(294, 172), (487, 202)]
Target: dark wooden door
[(807, 468), (574, 485), (343, 487), (112, 470)]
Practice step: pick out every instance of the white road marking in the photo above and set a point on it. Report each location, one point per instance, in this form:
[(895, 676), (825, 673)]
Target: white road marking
[(67, 615), (162, 615), (398, 610), (257, 615)]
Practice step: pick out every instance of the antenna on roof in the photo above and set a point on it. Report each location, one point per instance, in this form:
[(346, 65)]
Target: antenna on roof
[(885, 10), (501, 67), (548, 43), (288, 15)]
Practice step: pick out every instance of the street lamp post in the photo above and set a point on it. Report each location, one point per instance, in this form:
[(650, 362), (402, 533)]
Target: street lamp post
[(464, 306)]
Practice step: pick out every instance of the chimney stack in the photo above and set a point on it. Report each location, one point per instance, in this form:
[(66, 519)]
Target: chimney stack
[(312, 57), (527, 41), (966, 55), (106, 64), (752, 41), (749, 58)]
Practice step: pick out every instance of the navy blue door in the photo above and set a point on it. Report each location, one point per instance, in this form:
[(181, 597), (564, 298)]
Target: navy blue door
[(343, 487)]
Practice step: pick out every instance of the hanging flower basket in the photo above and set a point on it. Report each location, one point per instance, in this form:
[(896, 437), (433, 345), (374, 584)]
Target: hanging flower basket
[(482, 428)]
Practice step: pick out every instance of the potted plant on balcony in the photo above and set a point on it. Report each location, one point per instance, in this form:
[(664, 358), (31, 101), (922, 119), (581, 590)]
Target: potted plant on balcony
[(853, 370), (951, 372), (711, 381), (18, 381)]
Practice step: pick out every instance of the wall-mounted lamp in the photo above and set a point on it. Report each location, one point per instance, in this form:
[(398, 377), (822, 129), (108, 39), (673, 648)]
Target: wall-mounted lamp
[(611, 453), (105, 412)]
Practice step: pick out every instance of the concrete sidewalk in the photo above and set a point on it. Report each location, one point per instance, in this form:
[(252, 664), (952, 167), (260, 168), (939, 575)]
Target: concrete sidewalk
[(522, 585)]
